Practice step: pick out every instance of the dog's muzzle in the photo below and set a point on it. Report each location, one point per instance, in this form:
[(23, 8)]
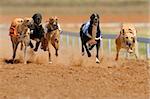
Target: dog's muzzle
[(130, 50), (129, 47)]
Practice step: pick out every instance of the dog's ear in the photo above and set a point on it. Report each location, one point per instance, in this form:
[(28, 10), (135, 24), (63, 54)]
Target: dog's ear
[(122, 32), (97, 15), (37, 15), (98, 27), (55, 17), (34, 16), (92, 16)]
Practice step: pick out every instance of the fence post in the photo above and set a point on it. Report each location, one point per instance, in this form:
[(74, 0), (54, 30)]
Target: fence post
[(79, 42), (147, 51), (67, 40), (101, 48), (73, 41), (61, 41), (109, 46)]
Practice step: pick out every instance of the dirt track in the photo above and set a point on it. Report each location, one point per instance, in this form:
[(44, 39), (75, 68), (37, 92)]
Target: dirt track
[(73, 76)]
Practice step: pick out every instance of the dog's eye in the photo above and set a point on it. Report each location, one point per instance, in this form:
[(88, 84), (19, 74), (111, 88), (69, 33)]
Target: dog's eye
[(126, 37)]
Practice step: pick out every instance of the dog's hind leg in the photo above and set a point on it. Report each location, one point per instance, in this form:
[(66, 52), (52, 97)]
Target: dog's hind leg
[(82, 46), (91, 47), (81, 36), (21, 46), (14, 51), (56, 53), (82, 49), (13, 43), (31, 45), (37, 46), (87, 50)]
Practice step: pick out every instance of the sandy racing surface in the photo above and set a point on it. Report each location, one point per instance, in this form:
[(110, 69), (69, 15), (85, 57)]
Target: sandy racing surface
[(73, 76)]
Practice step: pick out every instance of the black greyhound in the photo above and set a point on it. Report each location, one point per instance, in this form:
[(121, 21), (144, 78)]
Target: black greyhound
[(90, 34), (37, 30)]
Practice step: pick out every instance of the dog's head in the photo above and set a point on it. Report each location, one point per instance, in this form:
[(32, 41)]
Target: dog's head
[(53, 23), (23, 28), (37, 17), (94, 18), (27, 21), (128, 33), (129, 40), (53, 20), (128, 28)]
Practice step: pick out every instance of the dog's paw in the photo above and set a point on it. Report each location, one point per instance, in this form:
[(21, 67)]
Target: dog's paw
[(83, 53), (116, 59), (56, 54), (89, 55), (35, 49), (50, 62), (97, 60)]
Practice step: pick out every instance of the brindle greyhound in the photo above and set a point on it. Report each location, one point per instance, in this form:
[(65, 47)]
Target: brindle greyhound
[(51, 37)]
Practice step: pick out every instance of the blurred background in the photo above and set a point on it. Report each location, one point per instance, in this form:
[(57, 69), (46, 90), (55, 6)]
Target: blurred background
[(78, 11)]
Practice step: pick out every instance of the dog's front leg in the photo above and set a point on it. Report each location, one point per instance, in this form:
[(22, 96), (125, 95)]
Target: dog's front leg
[(117, 54), (37, 45), (25, 54), (97, 51), (126, 54), (49, 53), (136, 50), (136, 54)]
